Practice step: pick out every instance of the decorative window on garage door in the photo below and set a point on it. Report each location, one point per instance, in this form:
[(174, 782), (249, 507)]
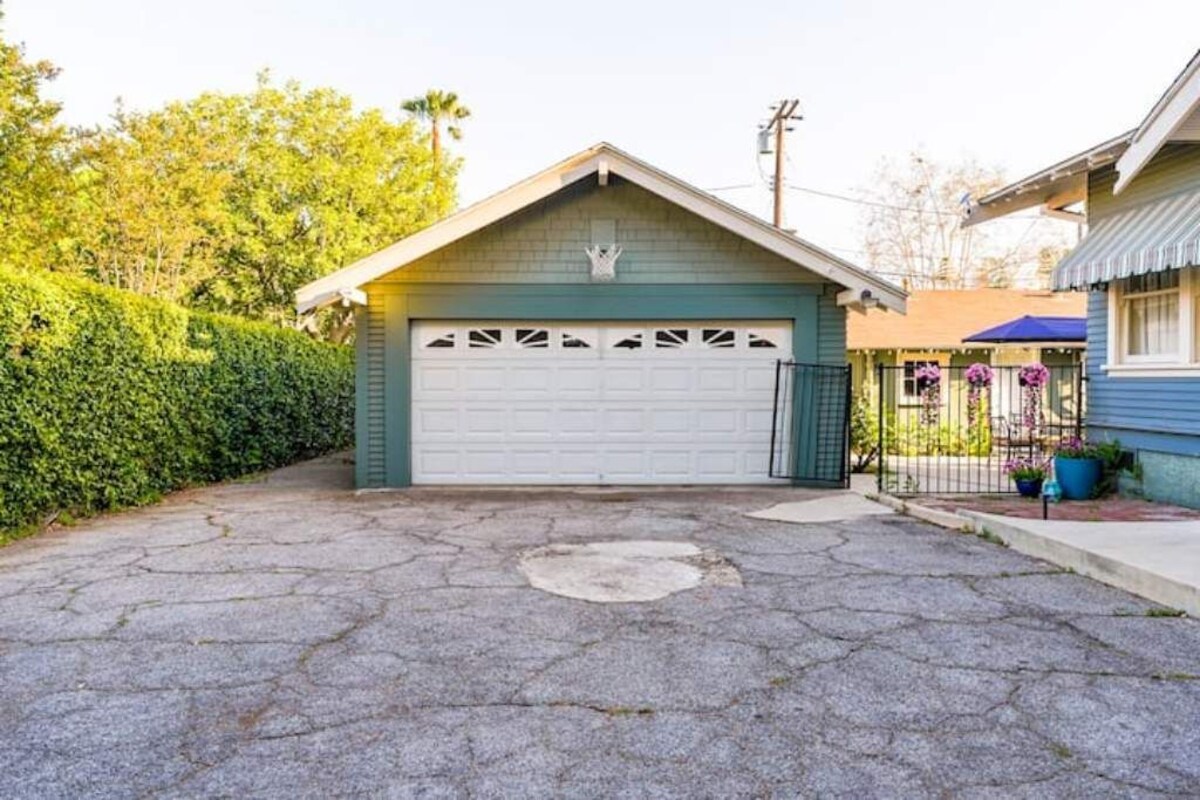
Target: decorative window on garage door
[(718, 340), (480, 339)]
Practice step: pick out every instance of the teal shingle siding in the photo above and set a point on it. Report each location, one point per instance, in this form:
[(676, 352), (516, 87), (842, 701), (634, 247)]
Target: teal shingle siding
[(532, 265), (544, 243)]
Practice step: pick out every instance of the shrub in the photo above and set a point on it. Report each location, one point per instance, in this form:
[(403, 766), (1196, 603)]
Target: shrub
[(864, 431), (109, 399)]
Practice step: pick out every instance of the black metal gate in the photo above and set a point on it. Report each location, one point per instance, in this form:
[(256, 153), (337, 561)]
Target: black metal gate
[(810, 424), (953, 429)]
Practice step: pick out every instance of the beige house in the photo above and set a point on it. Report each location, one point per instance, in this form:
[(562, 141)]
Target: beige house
[(934, 332)]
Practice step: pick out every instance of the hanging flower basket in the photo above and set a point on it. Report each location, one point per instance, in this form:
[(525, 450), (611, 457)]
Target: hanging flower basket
[(979, 380), (929, 385), (1032, 377)]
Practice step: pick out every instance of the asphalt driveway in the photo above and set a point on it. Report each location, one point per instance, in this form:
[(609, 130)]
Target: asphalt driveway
[(288, 638)]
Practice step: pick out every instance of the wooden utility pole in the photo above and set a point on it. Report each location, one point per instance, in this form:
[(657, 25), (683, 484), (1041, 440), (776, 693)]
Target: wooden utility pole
[(785, 112)]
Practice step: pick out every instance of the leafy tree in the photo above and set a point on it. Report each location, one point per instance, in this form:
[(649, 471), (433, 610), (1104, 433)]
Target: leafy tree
[(913, 231), (232, 202), (34, 163), (152, 202), (437, 107)]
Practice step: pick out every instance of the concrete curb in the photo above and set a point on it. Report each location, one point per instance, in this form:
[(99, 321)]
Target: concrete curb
[(946, 519), (1151, 585)]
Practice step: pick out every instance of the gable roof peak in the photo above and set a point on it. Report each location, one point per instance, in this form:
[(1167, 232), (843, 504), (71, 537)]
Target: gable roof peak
[(861, 287), (1177, 105)]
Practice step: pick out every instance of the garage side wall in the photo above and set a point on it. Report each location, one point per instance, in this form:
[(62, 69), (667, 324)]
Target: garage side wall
[(532, 266)]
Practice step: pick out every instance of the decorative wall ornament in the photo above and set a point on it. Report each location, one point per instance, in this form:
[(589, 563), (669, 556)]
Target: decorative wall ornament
[(604, 261)]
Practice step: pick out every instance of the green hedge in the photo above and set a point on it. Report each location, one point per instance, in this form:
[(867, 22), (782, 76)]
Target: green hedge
[(109, 399)]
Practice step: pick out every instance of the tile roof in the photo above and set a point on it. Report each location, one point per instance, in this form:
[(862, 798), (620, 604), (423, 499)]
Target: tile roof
[(940, 319)]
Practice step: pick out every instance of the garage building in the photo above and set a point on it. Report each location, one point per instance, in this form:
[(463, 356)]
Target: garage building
[(598, 323)]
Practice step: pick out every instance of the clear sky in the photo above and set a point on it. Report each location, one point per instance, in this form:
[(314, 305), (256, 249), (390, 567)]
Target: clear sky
[(1018, 83)]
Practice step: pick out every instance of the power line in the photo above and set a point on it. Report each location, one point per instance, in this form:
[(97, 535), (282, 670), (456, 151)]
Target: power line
[(732, 187), (857, 200), (871, 203)]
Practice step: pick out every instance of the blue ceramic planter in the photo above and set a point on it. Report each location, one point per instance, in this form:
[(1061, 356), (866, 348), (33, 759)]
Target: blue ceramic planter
[(1077, 476), (1031, 487)]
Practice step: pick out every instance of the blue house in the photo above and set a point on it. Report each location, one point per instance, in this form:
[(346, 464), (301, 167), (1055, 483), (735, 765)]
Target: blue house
[(1139, 194)]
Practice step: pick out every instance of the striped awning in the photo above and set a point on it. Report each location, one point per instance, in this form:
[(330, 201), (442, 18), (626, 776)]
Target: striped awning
[(1152, 237)]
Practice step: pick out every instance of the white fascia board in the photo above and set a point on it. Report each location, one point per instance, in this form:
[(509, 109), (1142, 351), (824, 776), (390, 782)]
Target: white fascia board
[(1056, 186), (1167, 116), (546, 183)]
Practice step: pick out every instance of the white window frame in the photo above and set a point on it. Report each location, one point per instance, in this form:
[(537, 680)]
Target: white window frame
[(1185, 362)]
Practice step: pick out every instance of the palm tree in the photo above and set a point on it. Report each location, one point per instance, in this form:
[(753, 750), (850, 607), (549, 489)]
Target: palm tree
[(436, 107)]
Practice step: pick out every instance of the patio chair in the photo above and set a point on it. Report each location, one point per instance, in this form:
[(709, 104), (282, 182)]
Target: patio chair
[(1012, 437)]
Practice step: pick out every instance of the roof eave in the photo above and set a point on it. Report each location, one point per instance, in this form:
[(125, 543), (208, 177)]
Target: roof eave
[(867, 288), (1052, 188)]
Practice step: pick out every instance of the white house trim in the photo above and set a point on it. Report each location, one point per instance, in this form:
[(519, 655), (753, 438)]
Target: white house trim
[(603, 159), (1053, 188), (1170, 114)]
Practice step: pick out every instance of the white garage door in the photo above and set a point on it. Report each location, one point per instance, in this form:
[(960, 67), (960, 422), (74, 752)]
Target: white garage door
[(564, 403)]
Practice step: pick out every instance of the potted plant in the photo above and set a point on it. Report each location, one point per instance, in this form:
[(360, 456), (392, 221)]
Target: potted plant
[(1077, 466), (1028, 473)]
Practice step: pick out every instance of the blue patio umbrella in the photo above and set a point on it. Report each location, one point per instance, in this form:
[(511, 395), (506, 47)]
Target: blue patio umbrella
[(1034, 329)]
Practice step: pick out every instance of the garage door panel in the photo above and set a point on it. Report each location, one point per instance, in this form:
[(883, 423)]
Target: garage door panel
[(484, 463), (717, 420), (530, 379), (578, 465), (719, 379), (437, 379), (479, 378), (436, 464), (623, 379), (672, 379), (671, 421), (578, 422), (671, 465), (757, 421), (574, 380), (436, 422), (617, 465), (717, 464), (759, 379), (533, 464), (624, 421), (533, 422), (560, 403), (491, 422)]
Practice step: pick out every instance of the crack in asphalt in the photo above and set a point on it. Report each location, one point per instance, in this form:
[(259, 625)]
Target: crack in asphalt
[(276, 638)]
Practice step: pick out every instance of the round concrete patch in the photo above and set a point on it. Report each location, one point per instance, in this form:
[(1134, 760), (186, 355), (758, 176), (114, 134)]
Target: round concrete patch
[(625, 572)]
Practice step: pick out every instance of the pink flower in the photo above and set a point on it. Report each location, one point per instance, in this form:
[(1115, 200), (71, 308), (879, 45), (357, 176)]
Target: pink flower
[(979, 375)]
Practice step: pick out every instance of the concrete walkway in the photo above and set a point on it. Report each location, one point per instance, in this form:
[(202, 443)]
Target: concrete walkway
[(1157, 560)]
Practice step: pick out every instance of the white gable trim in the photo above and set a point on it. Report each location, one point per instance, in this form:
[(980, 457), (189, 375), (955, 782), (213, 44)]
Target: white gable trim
[(601, 158), (1169, 114)]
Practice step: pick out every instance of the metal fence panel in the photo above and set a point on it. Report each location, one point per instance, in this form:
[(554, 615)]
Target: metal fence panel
[(810, 426), (952, 429)]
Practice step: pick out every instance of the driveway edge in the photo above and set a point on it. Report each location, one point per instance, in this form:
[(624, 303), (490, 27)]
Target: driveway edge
[(1091, 563)]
